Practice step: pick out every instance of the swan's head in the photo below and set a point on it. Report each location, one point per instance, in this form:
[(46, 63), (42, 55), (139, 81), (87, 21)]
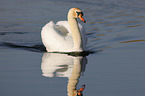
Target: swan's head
[(77, 13)]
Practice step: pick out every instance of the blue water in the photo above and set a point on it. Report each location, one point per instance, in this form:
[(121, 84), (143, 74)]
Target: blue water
[(115, 28)]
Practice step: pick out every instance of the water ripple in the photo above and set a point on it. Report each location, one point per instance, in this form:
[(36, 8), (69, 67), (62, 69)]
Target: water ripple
[(114, 22), (108, 22)]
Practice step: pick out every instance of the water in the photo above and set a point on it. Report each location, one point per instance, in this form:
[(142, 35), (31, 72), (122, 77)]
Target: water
[(114, 27)]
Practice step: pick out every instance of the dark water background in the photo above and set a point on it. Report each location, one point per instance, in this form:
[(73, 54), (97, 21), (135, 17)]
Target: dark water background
[(116, 27)]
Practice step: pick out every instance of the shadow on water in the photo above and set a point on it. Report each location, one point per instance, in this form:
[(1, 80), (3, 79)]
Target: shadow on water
[(5, 33), (83, 53), (34, 48), (41, 48)]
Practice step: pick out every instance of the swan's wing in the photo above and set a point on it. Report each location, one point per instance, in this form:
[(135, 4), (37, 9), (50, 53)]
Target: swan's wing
[(65, 24), (53, 39), (61, 30)]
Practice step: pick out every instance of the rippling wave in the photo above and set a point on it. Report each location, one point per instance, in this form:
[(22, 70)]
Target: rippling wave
[(108, 22), (114, 22)]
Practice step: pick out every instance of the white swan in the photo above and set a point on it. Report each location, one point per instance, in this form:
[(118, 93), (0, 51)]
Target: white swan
[(65, 36)]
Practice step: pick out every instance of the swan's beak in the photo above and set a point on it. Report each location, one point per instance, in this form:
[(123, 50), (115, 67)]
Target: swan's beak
[(81, 18)]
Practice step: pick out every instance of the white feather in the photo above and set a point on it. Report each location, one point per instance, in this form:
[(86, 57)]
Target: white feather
[(58, 37)]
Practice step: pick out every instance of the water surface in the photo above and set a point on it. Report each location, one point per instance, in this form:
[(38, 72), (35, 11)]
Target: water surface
[(114, 27)]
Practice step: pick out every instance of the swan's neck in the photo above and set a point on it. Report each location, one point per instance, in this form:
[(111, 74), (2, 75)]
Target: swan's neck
[(76, 34)]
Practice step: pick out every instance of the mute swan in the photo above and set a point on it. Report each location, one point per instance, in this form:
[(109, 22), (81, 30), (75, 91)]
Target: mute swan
[(65, 36)]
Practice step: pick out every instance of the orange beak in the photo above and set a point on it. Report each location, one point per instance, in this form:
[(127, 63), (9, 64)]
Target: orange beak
[(81, 18)]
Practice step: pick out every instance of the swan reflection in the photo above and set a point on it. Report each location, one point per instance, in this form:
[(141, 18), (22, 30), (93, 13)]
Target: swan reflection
[(62, 65)]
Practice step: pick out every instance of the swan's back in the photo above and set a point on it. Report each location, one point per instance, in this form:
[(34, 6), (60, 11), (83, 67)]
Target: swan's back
[(58, 37)]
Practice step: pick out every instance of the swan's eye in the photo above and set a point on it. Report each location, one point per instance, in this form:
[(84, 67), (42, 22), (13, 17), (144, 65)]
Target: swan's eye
[(78, 13)]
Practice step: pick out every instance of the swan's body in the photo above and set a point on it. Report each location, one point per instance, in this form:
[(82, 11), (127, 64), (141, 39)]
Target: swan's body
[(65, 36)]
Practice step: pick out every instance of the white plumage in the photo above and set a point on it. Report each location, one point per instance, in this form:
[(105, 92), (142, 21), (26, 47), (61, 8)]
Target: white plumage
[(59, 38)]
